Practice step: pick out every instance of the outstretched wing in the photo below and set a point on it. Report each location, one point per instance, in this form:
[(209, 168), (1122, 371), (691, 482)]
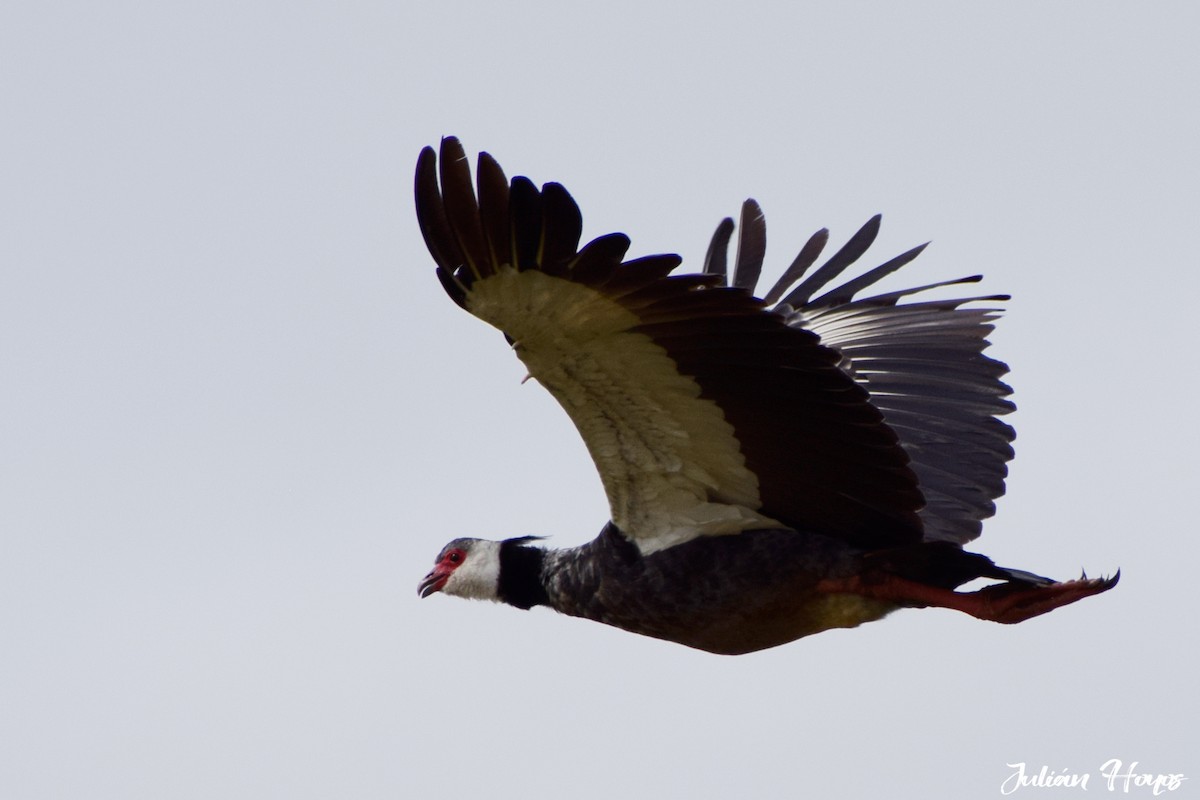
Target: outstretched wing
[(922, 363), (704, 412)]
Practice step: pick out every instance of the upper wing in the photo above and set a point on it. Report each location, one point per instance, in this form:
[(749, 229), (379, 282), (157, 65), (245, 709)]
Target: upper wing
[(704, 412), (922, 363)]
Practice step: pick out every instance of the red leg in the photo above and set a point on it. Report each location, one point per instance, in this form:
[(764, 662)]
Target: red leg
[(1004, 602)]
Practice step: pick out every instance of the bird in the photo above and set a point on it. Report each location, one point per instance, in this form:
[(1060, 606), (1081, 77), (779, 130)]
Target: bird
[(775, 466)]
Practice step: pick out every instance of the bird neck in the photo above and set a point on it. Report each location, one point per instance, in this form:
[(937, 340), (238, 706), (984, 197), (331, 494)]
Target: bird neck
[(520, 581)]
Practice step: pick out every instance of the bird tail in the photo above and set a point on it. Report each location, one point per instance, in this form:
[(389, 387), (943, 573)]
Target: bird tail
[(945, 565)]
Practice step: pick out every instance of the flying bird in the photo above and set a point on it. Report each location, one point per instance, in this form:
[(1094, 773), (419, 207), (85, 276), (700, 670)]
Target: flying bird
[(775, 466)]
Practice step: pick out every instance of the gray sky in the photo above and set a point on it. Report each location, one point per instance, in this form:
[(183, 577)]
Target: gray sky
[(240, 417)]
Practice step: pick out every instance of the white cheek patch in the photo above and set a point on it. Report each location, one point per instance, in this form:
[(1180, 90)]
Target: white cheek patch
[(478, 577), (671, 464)]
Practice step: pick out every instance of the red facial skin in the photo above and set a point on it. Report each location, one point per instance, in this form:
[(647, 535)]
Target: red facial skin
[(435, 580)]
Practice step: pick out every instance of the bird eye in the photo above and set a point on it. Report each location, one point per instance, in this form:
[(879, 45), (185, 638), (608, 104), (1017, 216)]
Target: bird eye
[(454, 556)]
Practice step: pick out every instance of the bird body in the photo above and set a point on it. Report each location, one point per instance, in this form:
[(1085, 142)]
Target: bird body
[(723, 594), (774, 467)]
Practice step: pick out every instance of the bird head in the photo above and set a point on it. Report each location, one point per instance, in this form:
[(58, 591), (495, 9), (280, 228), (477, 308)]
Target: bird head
[(466, 568)]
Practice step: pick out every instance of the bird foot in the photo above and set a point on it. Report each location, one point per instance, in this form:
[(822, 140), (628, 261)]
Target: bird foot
[(1007, 603)]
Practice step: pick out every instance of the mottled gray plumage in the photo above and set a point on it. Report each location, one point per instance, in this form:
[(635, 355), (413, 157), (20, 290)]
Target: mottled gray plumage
[(723, 594)]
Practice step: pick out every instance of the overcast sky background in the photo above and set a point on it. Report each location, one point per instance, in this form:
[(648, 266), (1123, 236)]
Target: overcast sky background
[(239, 417)]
